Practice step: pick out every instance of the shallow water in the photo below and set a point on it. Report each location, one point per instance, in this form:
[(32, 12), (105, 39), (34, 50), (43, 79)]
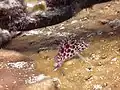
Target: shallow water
[(102, 59), (101, 68)]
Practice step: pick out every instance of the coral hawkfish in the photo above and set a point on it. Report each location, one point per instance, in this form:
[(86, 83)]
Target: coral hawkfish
[(67, 49)]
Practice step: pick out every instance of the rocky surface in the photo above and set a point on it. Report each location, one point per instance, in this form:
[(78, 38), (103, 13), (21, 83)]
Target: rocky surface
[(101, 67), (6, 36), (24, 15), (17, 73), (14, 15)]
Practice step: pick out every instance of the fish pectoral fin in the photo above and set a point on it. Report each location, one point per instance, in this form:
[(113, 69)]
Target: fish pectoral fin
[(85, 59), (80, 56), (57, 66)]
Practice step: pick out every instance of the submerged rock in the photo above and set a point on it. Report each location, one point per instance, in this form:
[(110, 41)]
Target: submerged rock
[(8, 55), (6, 35), (45, 84), (17, 72)]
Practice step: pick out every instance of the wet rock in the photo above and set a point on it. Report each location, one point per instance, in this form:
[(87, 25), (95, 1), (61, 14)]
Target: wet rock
[(114, 23), (15, 68), (6, 35), (6, 55), (45, 84), (17, 73), (100, 71), (14, 15), (15, 80)]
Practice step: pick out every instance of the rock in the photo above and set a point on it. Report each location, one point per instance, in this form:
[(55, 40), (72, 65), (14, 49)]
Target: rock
[(14, 15), (45, 84), (17, 73), (14, 69), (114, 23), (7, 55), (9, 79), (6, 36)]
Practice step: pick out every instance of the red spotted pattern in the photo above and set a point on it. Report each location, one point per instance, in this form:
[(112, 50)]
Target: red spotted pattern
[(68, 49)]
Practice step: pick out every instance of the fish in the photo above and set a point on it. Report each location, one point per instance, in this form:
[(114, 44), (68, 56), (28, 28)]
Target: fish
[(69, 48)]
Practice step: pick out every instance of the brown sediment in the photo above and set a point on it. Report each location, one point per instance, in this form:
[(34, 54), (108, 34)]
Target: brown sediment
[(7, 55)]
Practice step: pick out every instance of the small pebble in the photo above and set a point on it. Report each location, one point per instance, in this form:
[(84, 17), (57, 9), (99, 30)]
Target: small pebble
[(74, 21)]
